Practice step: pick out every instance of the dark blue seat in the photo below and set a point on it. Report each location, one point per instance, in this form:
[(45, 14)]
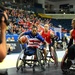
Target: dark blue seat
[(30, 51)]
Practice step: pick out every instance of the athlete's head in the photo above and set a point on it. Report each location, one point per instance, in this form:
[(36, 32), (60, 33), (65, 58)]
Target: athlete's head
[(73, 23), (34, 30), (46, 27)]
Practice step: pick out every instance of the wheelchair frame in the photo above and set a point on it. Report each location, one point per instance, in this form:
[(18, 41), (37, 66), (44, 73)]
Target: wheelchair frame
[(66, 68), (49, 57), (23, 61)]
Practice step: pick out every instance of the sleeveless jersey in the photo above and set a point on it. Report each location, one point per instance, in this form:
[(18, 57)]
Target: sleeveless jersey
[(46, 36), (73, 36)]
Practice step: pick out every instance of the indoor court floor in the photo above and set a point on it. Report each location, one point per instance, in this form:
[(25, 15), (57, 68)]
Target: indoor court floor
[(10, 64)]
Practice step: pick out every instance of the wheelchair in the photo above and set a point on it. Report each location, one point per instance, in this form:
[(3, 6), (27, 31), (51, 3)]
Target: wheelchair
[(26, 59), (66, 69), (68, 66), (50, 57)]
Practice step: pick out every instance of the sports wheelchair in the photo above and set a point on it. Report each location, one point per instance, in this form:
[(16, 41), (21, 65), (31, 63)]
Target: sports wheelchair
[(67, 69), (68, 66), (51, 56), (26, 58)]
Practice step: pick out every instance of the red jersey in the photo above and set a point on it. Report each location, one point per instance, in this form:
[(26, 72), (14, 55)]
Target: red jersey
[(46, 36), (73, 34)]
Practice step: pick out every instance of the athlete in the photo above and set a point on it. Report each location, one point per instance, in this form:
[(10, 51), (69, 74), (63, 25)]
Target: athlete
[(48, 35), (70, 52), (34, 39)]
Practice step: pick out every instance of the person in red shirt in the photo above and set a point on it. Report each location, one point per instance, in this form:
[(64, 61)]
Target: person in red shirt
[(48, 35), (70, 52)]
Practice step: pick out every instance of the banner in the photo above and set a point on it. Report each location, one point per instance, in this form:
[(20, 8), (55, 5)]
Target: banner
[(15, 36), (14, 46), (58, 32)]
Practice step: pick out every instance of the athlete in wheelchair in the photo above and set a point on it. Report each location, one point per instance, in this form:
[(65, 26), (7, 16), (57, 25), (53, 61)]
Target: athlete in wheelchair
[(68, 61), (32, 48), (49, 35)]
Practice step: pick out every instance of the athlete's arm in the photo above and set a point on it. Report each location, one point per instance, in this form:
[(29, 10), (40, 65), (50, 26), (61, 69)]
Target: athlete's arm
[(71, 39), (51, 34), (52, 37), (24, 33), (41, 39)]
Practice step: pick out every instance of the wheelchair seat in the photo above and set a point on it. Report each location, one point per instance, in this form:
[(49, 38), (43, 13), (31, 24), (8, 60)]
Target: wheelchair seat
[(30, 51)]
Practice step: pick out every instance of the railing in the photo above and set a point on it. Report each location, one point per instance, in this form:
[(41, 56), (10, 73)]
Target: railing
[(61, 16)]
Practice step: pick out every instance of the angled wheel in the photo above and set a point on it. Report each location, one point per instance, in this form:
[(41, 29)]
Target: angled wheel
[(19, 62), (41, 59), (66, 66), (54, 56)]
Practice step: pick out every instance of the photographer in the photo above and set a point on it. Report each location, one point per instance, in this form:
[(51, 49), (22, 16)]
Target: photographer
[(3, 24)]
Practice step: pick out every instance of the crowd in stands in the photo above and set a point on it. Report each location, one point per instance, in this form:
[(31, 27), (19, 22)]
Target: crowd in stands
[(22, 20)]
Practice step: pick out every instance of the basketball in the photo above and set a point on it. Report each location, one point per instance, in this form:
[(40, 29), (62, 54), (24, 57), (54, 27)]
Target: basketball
[(23, 39)]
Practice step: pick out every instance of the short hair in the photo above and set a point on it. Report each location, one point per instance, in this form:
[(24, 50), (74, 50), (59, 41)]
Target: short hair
[(73, 19), (46, 25), (34, 27)]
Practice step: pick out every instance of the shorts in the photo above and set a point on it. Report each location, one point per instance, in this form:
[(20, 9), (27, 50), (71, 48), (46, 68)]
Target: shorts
[(32, 51), (29, 51)]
